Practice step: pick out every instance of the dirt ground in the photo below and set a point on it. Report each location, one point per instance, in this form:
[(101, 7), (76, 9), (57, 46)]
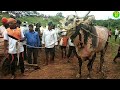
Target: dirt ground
[(63, 70)]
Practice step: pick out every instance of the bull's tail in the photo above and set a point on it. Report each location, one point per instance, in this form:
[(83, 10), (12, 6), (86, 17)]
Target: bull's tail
[(106, 44)]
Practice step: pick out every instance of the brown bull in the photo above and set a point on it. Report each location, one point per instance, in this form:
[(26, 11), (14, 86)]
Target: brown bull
[(88, 41)]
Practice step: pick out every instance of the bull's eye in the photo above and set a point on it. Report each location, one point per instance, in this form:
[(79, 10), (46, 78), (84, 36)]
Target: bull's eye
[(66, 24), (71, 20)]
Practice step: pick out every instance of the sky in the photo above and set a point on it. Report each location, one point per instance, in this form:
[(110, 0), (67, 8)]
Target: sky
[(99, 15)]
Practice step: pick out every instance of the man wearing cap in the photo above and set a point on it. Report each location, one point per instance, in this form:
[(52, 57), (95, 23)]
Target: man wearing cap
[(49, 40), (4, 26), (12, 36)]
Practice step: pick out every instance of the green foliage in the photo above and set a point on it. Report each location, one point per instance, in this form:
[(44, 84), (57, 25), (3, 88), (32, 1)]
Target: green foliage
[(34, 19), (110, 23)]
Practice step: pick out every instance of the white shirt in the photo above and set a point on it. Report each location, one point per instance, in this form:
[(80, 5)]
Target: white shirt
[(49, 38), (12, 43), (119, 36), (57, 32), (70, 43), (34, 27), (24, 29), (116, 32), (42, 29), (2, 29)]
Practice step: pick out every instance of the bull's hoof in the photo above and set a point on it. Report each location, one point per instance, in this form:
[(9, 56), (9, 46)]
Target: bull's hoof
[(78, 76)]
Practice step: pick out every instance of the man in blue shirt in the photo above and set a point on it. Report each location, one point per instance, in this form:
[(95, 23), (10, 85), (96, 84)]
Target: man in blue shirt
[(33, 40)]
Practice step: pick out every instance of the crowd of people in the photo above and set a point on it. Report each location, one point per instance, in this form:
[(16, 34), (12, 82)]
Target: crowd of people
[(29, 39), (22, 42)]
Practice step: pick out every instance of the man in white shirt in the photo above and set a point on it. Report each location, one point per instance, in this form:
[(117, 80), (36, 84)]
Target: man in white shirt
[(116, 33), (24, 29), (3, 26), (12, 35), (57, 33), (49, 40), (71, 49)]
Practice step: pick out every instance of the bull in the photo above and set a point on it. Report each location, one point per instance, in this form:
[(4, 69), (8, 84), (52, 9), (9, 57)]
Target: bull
[(87, 38)]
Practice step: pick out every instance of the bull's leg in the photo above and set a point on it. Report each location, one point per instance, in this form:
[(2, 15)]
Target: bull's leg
[(90, 64), (102, 56), (101, 60), (106, 46), (101, 70), (114, 60), (80, 66), (93, 58)]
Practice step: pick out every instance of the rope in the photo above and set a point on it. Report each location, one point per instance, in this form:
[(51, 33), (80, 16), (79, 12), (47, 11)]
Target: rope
[(36, 47), (67, 31), (94, 34), (18, 51), (99, 37), (40, 47)]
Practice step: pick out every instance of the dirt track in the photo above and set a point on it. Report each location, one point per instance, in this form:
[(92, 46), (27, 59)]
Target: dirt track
[(63, 70)]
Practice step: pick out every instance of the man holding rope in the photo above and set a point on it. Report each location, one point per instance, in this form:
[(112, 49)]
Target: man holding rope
[(12, 37), (33, 40), (49, 40)]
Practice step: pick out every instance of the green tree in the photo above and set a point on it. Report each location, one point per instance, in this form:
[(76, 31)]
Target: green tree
[(59, 14)]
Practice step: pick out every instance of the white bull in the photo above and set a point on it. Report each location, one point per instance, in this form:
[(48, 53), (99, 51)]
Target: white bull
[(88, 39)]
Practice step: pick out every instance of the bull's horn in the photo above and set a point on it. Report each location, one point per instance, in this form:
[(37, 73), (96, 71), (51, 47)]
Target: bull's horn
[(86, 15), (76, 13), (77, 17)]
